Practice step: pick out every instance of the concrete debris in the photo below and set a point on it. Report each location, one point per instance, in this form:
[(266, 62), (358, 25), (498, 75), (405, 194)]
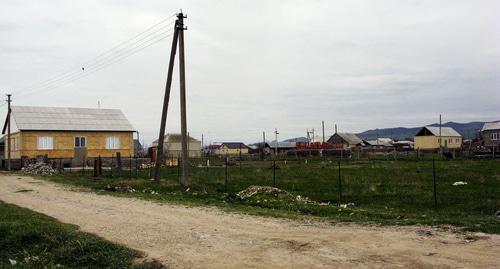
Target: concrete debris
[(119, 188), (38, 168), (148, 190), (148, 165), (348, 205), (459, 183), (252, 190)]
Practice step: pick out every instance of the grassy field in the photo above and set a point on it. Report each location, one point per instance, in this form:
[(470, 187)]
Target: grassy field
[(32, 240), (383, 191)]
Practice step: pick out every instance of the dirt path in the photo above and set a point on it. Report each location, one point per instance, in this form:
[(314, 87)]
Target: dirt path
[(186, 237)]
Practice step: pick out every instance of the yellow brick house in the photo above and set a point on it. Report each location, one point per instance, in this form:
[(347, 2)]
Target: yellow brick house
[(431, 138), (63, 132), (233, 148)]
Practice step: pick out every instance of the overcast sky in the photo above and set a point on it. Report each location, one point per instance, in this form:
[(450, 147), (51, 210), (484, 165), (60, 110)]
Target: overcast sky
[(253, 66)]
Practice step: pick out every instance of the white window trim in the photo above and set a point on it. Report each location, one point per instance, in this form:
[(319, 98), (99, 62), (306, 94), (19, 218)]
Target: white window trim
[(45, 147), (495, 136), (112, 142), (74, 141)]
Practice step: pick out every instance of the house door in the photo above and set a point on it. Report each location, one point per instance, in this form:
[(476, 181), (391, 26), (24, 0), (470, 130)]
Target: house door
[(80, 151), (446, 143)]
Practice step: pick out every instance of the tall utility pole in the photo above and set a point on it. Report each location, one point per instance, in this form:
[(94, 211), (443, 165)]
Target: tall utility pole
[(166, 98), (8, 132), (440, 138), (323, 128), (276, 137), (185, 159), (335, 128), (263, 145)]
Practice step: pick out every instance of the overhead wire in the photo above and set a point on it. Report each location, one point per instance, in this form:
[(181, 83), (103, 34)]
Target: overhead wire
[(151, 41), (105, 56)]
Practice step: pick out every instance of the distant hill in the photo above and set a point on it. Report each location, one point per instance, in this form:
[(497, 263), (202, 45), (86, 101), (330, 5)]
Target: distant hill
[(467, 130), (296, 139)]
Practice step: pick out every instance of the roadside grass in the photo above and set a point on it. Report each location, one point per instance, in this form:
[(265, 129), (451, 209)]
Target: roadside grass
[(32, 240), (385, 192)]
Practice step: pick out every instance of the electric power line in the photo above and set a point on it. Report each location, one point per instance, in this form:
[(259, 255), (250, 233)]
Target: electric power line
[(107, 54), (103, 65)]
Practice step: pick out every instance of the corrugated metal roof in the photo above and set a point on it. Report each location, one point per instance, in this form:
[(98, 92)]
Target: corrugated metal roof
[(234, 145), (445, 131), (69, 119), (174, 138), (351, 138), (491, 126)]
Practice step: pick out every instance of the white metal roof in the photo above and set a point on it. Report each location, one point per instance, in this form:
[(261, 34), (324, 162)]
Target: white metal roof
[(491, 126), (69, 119), (445, 131)]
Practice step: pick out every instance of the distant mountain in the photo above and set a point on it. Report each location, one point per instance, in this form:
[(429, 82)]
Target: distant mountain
[(296, 139), (467, 130)]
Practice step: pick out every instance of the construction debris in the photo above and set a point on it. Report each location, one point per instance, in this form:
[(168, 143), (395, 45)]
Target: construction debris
[(119, 188), (38, 168), (348, 205), (252, 190)]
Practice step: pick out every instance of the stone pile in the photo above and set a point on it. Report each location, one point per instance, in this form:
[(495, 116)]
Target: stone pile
[(38, 168)]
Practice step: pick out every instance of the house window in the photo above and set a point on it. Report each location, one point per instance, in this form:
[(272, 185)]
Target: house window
[(80, 142), (439, 140), (112, 142), (45, 142), (495, 136), (14, 141), (457, 140), (450, 140)]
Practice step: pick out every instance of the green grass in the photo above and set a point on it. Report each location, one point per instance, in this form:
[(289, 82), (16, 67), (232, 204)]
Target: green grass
[(384, 191), (34, 240)]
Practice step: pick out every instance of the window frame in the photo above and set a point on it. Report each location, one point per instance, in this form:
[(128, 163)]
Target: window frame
[(39, 146), (80, 137), (495, 136), (116, 143)]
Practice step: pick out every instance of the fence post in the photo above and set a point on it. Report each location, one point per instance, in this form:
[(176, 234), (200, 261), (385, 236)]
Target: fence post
[(111, 170), (83, 167), (225, 178), (130, 165), (179, 168), (340, 185), (274, 173), (434, 182)]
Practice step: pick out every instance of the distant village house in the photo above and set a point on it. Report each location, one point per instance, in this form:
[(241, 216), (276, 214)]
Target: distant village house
[(431, 138), (172, 145), (345, 141), (490, 136)]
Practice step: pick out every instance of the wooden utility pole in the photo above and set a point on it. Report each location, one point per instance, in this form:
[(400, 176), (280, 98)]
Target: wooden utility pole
[(276, 137), (9, 144), (166, 98), (185, 158), (440, 138), (263, 145), (323, 128)]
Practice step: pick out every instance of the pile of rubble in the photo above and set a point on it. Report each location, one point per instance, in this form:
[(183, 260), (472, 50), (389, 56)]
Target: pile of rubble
[(125, 188), (38, 168), (148, 165), (252, 190)]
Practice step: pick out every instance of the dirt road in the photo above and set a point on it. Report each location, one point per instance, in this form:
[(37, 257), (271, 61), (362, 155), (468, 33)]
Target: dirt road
[(187, 237)]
